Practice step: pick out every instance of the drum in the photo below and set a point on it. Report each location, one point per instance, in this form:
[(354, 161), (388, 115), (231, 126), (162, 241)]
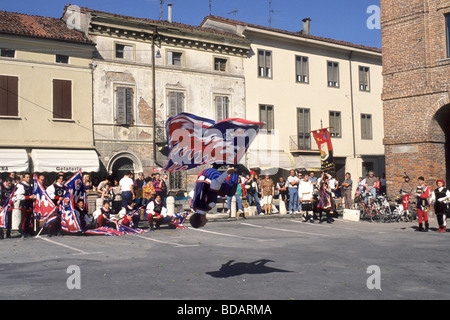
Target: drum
[(307, 206)]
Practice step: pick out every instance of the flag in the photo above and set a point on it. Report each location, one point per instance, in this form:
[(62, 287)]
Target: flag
[(76, 185), (323, 140), (195, 141), (105, 231), (4, 210), (43, 206), (69, 220)]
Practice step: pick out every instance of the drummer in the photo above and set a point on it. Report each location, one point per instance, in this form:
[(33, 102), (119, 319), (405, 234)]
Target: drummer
[(305, 193)]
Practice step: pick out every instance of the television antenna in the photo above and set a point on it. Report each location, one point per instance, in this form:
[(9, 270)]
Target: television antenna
[(235, 12)]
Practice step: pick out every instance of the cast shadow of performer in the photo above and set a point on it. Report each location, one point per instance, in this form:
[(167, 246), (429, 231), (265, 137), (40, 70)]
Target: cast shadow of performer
[(231, 269)]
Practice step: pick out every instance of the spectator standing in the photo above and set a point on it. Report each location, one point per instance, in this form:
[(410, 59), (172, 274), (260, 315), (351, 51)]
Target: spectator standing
[(370, 185), (305, 193), (292, 183), (383, 184), (251, 186), (282, 190), (138, 185), (347, 189), (160, 186), (117, 200), (127, 186), (267, 188)]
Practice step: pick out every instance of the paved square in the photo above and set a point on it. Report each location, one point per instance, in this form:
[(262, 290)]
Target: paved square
[(259, 258)]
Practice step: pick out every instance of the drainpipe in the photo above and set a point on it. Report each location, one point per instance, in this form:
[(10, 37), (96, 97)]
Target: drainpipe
[(352, 105), (155, 34)]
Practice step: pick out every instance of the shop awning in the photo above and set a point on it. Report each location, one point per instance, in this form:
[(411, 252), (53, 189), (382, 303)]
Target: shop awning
[(13, 160), (270, 161), (57, 160)]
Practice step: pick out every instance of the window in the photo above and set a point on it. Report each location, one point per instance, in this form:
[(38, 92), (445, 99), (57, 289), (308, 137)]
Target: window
[(220, 64), (302, 69), (333, 74), (264, 64), (62, 58), (303, 129), (174, 58), (9, 98), (222, 107), (266, 117), (176, 103), (366, 126), (124, 106), (7, 53), (124, 51), (62, 99), (335, 124), (364, 78), (447, 20)]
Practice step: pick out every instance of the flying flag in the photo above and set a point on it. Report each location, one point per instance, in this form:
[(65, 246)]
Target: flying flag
[(195, 141), (69, 220), (76, 186), (43, 206), (323, 140), (4, 210)]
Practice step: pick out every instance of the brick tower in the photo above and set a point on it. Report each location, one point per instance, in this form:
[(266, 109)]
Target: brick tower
[(416, 93)]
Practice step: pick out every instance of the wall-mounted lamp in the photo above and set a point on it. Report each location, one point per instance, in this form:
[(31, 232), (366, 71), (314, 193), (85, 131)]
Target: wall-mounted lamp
[(158, 54)]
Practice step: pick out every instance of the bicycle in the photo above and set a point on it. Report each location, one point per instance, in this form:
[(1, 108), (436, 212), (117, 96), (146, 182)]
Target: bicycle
[(401, 211)]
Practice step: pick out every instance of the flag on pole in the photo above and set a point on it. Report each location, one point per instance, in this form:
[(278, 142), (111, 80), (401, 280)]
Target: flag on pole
[(76, 185), (69, 220), (43, 206), (323, 140), (4, 210), (195, 141)]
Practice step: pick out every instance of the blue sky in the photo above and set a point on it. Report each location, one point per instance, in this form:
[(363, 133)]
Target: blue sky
[(341, 20)]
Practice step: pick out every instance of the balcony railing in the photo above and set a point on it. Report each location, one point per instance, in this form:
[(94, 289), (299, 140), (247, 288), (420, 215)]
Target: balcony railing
[(300, 142)]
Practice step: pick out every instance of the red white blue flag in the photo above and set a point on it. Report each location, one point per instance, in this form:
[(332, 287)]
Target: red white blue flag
[(76, 185), (195, 141), (69, 220), (43, 206), (4, 210)]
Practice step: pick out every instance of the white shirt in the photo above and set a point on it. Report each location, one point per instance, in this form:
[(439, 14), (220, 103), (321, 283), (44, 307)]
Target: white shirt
[(292, 179), (332, 183), (151, 209), (433, 196), (305, 190), (126, 184)]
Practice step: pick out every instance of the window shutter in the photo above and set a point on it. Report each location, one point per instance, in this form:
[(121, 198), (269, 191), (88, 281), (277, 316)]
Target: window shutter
[(219, 109), (66, 99), (172, 104), (180, 102), (268, 64), (261, 63), (169, 58), (129, 106), (9, 96), (121, 106)]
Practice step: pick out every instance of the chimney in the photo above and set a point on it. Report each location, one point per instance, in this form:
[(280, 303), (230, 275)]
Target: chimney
[(169, 13), (307, 26)]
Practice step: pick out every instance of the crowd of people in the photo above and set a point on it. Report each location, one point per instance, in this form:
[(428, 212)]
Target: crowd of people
[(131, 199), (125, 201)]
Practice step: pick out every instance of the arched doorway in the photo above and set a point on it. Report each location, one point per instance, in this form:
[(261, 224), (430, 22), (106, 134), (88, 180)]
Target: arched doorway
[(122, 163), (442, 117)]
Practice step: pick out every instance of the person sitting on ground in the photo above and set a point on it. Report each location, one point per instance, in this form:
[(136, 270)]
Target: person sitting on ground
[(102, 215), (157, 215)]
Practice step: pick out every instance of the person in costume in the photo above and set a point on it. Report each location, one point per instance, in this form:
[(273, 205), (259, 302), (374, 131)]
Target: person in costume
[(325, 200), (209, 186), (439, 199), (422, 193)]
